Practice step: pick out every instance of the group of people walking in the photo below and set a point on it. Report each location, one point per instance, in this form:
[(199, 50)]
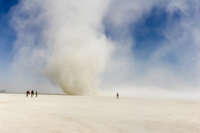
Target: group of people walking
[(32, 93)]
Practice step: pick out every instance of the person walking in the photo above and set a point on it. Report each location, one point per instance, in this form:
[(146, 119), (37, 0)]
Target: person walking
[(117, 95), (36, 93), (27, 93), (32, 93)]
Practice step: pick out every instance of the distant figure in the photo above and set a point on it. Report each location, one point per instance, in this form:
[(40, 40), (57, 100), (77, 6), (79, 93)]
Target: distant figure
[(36, 93), (27, 93), (32, 93), (117, 95)]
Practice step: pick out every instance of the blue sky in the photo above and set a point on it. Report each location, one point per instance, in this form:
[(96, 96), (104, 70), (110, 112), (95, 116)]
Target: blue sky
[(148, 32), (7, 34), (164, 37)]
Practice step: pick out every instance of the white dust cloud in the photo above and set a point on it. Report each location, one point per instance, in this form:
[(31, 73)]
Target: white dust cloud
[(64, 41)]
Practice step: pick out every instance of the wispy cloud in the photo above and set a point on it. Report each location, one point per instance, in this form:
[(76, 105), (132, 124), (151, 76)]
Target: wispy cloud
[(181, 44)]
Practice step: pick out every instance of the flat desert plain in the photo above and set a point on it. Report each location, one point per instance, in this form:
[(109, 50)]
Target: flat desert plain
[(82, 114)]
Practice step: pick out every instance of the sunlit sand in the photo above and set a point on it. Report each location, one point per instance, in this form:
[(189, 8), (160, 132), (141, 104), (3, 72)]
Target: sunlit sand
[(76, 114)]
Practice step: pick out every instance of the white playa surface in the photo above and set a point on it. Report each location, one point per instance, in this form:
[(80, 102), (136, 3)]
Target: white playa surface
[(68, 114)]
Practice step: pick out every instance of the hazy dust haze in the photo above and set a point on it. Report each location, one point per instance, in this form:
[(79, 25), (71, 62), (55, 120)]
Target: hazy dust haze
[(88, 45)]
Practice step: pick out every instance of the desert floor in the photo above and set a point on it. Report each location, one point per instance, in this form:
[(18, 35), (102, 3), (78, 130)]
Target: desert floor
[(76, 114)]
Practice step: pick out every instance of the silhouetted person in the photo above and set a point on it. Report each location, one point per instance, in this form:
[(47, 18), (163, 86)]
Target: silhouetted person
[(36, 93), (32, 93), (117, 95), (27, 93)]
